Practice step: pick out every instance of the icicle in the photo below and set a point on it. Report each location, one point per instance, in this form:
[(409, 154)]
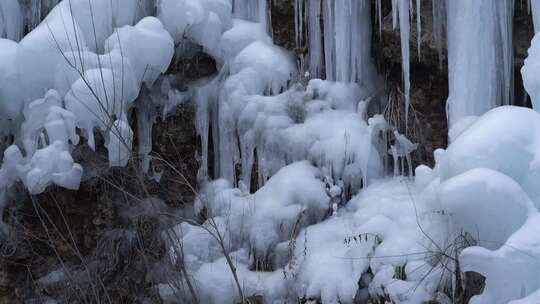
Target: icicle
[(479, 43), (297, 20), (379, 16), (11, 21), (315, 41), (343, 19), (347, 39), (534, 8), (404, 30), (362, 61), (329, 34), (395, 10), (346, 33), (506, 16), (252, 10), (418, 26), (263, 15), (401, 13), (146, 116)]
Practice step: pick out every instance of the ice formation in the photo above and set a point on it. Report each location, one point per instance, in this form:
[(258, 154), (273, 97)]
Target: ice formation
[(475, 199), (80, 73), (512, 270), (324, 261), (486, 181), (252, 10), (247, 125), (531, 81), (200, 22), (11, 22), (402, 10), (9, 105), (48, 159), (483, 78), (341, 46), (296, 151), (500, 140)]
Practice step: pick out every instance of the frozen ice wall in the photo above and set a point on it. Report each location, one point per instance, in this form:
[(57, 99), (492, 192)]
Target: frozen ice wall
[(479, 56)]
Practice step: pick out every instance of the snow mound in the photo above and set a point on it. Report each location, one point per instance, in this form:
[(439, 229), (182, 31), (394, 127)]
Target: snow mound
[(41, 51), (295, 193), (52, 164), (487, 183), (365, 242), (531, 298), (507, 140), (511, 271), (486, 204), (256, 224), (242, 34), (200, 22), (70, 84), (271, 63)]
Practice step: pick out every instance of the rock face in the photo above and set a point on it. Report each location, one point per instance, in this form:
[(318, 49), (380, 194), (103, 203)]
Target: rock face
[(282, 17)]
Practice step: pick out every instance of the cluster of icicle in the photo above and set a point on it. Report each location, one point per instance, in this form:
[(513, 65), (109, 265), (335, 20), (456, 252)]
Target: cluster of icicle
[(340, 49), (480, 29), (339, 38), (257, 120)]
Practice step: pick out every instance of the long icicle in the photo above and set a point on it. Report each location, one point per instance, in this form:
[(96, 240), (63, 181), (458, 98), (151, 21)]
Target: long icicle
[(418, 26), (329, 41), (439, 19), (379, 16), (480, 72), (315, 38), (402, 10)]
